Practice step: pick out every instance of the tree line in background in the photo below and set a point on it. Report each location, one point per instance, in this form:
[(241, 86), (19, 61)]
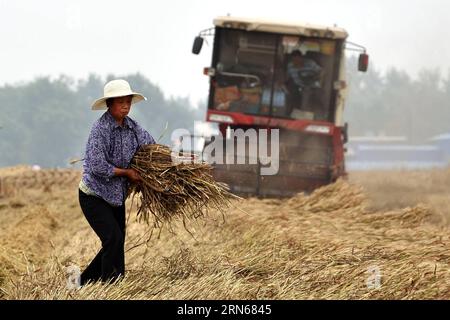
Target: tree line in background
[(47, 122), (396, 104)]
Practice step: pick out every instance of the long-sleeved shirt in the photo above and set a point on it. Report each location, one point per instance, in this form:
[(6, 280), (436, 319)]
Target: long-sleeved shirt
[(110, 145)]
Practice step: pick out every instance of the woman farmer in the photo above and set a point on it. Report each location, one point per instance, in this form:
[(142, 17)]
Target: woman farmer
[(112, 143)]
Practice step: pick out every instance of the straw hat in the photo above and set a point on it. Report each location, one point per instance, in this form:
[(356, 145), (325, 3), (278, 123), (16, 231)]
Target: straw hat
[(116, 88)]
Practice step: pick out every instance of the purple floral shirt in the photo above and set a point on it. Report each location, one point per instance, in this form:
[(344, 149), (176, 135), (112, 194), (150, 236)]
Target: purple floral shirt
[(110, 145)]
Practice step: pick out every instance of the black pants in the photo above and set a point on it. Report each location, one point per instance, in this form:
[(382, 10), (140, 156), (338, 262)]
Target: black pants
[(108, 223)]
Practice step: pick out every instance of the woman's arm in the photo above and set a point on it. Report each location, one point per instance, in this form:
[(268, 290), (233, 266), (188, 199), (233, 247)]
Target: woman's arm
[(95, 158), (129, 173), (143, 136)]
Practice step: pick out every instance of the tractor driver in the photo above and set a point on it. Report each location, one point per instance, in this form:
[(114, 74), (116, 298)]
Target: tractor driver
[(302, 74)]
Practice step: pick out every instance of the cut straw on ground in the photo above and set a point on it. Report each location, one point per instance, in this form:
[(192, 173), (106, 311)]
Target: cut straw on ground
[(330, 244)]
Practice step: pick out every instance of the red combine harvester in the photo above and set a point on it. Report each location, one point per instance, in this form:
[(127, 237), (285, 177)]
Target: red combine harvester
[(291, 77)]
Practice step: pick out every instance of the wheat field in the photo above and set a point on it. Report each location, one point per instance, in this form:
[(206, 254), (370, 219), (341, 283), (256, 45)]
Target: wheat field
[(375, 235)]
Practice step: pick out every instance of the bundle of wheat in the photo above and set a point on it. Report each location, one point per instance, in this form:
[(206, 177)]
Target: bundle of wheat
[(175, 189)]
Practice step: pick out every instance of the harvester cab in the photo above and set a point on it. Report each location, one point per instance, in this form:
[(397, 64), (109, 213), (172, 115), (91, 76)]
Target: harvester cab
[(286, 79)]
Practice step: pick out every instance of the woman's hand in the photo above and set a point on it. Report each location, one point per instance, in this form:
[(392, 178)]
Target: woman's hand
[(133, 175)]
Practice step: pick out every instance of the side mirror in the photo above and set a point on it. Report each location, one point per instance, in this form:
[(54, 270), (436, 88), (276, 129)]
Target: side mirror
[(198, 44), (363, 62), (345, 133)]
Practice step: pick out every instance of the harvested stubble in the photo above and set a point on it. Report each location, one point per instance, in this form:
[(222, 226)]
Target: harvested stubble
[(184, 190)]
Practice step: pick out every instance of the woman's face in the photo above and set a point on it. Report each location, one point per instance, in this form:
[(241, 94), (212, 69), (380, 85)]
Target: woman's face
[(120, 107)]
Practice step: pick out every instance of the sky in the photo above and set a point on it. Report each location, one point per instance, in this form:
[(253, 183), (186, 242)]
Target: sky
[(75, 38)]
